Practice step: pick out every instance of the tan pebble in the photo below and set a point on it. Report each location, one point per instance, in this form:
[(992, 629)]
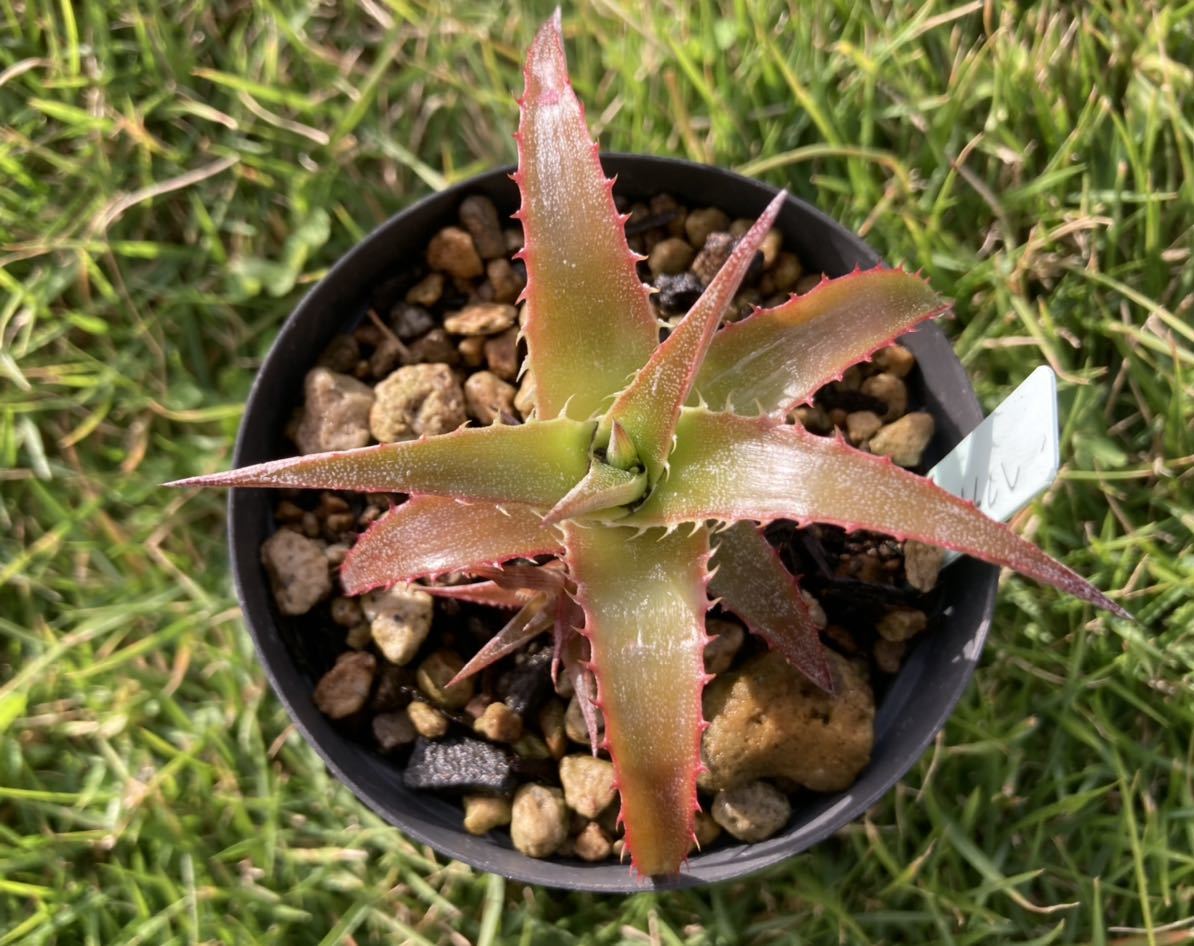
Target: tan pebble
[(298, 571), (904, 440), (344, 689), (787, 272), (539, 820), (341, 355), (890, 390), (726, 639), (286, 511), (335, 553), (670, 256), (501, 354), (400, 619), (851, 379), (524, 400), (739, 227), (588, 784), (359, 636), (483, 813), (429, 722), (551, 724), (481, 318), (505, 279), (706, 830), (387, 356), (513, 238), (499, 723), (427, 291), (700, 223), (346, 611), (767, 719), (574, 721), (807, 283), (530, 746), (335, 413), (861, 426), (815, 612), (433, 348), (593, 844), (417, 400), (667, 204), (487, 397), (813, 417), (452, 251), (393, 730), (338, 524), (480, 218), (751, 812), (888, 654), (472, 350), (896, 360), (773, 242), (433, 676), (902, 623), (922, 564)]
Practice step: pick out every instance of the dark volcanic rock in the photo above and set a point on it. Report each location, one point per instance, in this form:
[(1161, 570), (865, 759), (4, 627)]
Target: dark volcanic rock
[(526, 685), (460, 764), (678, 293)]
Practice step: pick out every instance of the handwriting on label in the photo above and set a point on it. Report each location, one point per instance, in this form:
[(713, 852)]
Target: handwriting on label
[(1011, 456)]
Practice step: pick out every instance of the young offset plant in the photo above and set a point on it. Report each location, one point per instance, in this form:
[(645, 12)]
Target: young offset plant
[(647, 471)]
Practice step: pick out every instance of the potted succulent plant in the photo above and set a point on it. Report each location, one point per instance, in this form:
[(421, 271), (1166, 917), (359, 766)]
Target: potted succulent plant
[(635, 493)]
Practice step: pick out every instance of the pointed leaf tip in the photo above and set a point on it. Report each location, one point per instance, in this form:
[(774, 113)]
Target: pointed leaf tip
[(546, 66), (589, 324), (650, 406)]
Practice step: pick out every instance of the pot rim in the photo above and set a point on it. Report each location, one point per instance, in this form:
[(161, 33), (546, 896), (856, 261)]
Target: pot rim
[(975, 581)]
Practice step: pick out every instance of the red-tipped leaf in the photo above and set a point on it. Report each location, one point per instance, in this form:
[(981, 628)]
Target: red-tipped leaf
[(752, 582), (649, 407), (776, 359), (733, 468), (589, 325), (429, 535), (644, 600)]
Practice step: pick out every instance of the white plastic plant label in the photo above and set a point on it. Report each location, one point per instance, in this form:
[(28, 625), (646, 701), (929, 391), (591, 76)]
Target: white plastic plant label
[(1012, 456)]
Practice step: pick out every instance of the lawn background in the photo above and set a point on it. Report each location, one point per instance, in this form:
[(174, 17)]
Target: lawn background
[(174, 176)]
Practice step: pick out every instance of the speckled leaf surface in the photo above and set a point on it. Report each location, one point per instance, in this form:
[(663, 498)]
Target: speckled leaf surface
[(734, 468), (429, 535), (752, 582), (531, 463), (776, 359), (644, 601), (589, 325), (649, 407)]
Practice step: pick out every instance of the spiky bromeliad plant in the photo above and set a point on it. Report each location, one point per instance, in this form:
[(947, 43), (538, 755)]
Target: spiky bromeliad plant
[(631, 439)]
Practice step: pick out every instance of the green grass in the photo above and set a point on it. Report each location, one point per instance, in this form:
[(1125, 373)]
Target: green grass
[(174, 176)]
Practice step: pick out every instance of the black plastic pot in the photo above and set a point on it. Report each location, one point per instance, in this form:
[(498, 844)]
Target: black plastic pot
[(913, 708)]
